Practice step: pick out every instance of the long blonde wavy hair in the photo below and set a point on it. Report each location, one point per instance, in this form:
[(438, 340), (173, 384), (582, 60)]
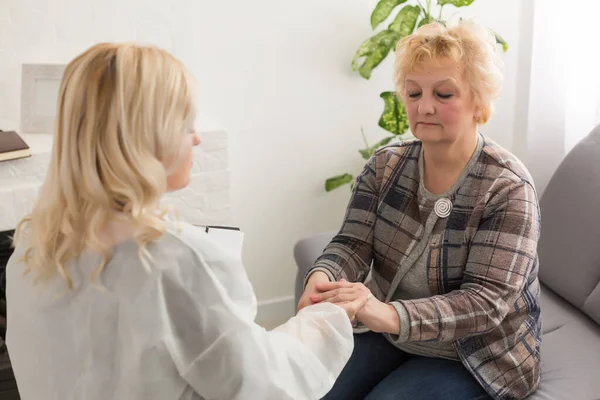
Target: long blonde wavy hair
[(123, 110)]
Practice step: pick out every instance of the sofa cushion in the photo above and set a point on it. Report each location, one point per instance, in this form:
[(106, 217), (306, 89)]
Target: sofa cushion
[(569, 246), (570, 349), (556, 312)]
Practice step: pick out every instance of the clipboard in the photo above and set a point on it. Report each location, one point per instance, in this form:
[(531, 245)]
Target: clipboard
[(229, 236)]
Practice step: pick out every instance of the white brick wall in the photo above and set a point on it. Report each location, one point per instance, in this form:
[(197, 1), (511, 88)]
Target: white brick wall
[(205, 201)]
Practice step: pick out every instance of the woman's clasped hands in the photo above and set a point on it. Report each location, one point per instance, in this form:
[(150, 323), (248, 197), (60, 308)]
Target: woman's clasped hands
[(356, 299)]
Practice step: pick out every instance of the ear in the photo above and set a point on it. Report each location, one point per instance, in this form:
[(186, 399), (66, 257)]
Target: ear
[(477, 114)]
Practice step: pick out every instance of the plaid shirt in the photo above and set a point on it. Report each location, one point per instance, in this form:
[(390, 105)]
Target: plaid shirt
[(482, 269)]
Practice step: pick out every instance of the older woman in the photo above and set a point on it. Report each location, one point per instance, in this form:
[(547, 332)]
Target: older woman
[(449, 223)]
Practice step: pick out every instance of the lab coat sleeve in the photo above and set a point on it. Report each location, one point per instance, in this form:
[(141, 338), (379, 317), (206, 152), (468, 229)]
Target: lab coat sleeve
[(219, 350)]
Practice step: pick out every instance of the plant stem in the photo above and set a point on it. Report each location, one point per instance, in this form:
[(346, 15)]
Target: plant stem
[(364, 137), (428, 7), (441, 8), (426, 16)]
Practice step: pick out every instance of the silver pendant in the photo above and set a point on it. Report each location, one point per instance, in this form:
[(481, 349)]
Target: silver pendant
[(443, 207)]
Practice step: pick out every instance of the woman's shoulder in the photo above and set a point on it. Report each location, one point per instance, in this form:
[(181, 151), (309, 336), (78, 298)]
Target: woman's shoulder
[(393, 153), (196, 242), (501, 164), (216, 261), (400, 148), (187, 252), (502, 174)]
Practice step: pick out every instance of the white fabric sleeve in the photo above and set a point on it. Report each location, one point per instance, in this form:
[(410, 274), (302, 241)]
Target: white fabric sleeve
[(219, 350)]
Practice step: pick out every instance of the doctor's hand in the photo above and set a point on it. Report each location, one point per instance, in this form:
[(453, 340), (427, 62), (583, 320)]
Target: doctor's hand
[(353, 307), (376, 315)]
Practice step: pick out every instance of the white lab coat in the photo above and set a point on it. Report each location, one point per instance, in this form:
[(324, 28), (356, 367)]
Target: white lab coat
[(184, 330)]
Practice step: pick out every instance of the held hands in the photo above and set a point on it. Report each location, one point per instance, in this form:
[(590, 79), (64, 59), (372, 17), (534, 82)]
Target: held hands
[(352, 305), (376, 315), (314, 279)]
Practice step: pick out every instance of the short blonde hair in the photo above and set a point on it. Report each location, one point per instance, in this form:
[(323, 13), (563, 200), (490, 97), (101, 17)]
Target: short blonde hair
[(467, 43), (123, 109)]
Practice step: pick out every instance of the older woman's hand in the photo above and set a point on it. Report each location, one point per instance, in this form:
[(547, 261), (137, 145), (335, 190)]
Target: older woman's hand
[(351, 307), (376, 315), (310, 290)]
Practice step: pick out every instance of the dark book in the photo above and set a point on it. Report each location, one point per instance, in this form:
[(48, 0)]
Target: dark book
[(12, 146)]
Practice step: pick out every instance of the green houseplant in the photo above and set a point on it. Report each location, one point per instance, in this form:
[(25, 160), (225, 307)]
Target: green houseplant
[(375, 49)]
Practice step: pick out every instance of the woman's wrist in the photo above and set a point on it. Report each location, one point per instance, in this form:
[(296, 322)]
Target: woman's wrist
[(392, 320), (316, 277), (380, 317)]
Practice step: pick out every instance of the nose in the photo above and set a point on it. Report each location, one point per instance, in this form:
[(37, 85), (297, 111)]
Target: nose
[(426, 106), (197, 139)]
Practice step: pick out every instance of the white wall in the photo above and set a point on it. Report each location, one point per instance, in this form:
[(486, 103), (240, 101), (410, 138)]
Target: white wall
[(275, 75)]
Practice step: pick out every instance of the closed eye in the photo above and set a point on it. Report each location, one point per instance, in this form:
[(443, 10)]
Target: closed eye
[(414, 95), (445, 96)]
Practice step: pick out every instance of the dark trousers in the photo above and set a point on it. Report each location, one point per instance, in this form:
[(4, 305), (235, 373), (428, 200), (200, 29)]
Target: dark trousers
[(377, 370)]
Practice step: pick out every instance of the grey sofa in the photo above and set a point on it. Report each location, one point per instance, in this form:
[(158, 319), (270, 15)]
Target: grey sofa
[(569, 251)]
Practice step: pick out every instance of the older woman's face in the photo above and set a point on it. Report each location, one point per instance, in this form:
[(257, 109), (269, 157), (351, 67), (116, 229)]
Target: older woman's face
[(439, 103)]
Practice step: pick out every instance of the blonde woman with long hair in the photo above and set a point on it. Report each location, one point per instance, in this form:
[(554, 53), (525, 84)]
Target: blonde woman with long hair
[(107, 299)]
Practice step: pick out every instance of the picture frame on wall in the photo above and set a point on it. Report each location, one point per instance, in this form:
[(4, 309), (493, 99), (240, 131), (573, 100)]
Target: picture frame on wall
[(40, 85)]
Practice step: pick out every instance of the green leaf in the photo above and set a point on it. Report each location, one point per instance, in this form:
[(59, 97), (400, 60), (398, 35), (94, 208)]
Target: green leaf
[(425, 21), (337, 181), (379, 49), (501, 41), (367, 48), (368, 152), (456, 3), (394, 117), (406, 20), (383, 142), (382, 11)]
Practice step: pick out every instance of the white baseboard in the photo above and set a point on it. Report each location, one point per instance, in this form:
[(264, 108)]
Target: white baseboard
[(274, 312)]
